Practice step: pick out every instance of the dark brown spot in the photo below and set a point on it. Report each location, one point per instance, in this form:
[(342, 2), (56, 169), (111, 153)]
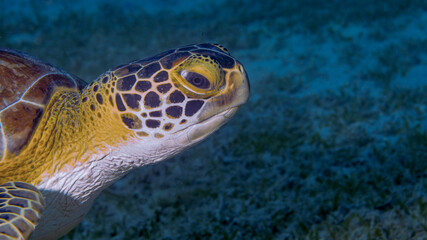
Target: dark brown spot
[(164, 88), (223, 59), (131, 120), (174, 111), (172, 60), (156, 114), (105, 79), (99, 98), (142, 86), (95, 88), (92, 107), (132, 101), (152, 100), (99, 115), (183, 121), (119, 103), (149, 70), (144, 115), (126, 70), (161, 76), (176, 97), (168, 126), (152, 123), (84, 99), (126, 83), (192, 107)]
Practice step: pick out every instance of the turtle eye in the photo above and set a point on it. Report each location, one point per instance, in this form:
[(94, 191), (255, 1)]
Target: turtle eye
[(195, 79)]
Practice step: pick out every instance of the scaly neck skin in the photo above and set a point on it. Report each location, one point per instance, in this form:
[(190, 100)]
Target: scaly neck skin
[(91, 149), (89, 128), (96, 149), (76, 129)]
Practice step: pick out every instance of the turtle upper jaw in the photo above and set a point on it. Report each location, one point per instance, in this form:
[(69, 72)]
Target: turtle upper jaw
[(219, 109), (234, 94), (199, 131)]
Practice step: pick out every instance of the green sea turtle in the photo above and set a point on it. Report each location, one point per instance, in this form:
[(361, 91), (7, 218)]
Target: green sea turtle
[(61, 143)]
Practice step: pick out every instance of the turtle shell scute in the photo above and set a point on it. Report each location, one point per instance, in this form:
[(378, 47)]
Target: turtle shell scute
[(26, 87)]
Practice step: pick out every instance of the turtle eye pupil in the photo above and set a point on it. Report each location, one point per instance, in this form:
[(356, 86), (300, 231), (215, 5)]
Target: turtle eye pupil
[(196, 80)]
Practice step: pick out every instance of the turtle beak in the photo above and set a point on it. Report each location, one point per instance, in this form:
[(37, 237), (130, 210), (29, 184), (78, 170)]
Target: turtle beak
[(235, 93), (219, 109)]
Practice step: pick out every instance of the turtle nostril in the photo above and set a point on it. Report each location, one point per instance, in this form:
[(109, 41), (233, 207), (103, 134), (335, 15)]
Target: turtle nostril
[(241, 68)]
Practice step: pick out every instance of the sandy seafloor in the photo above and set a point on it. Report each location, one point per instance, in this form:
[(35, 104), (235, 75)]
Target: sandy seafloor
[(331, 145)]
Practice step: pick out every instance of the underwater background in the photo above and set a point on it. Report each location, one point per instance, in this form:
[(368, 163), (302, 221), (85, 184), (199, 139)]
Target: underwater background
[(331, 145)]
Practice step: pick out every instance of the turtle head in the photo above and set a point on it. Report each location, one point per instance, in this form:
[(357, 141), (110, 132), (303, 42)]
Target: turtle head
[(175, 99), (214, 85)]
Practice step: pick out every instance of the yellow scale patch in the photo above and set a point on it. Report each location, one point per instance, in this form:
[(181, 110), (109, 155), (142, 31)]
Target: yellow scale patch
[(73, 128), (151, 119)]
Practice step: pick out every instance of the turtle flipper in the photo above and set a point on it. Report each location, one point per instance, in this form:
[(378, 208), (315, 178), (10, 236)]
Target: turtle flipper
[(21, 205)]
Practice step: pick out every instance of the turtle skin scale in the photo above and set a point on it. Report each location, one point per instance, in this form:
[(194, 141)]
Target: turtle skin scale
[(62, 142), (21, 206)]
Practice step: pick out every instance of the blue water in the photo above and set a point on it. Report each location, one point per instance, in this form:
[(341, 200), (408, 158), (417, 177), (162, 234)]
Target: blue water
[(331, 145)]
